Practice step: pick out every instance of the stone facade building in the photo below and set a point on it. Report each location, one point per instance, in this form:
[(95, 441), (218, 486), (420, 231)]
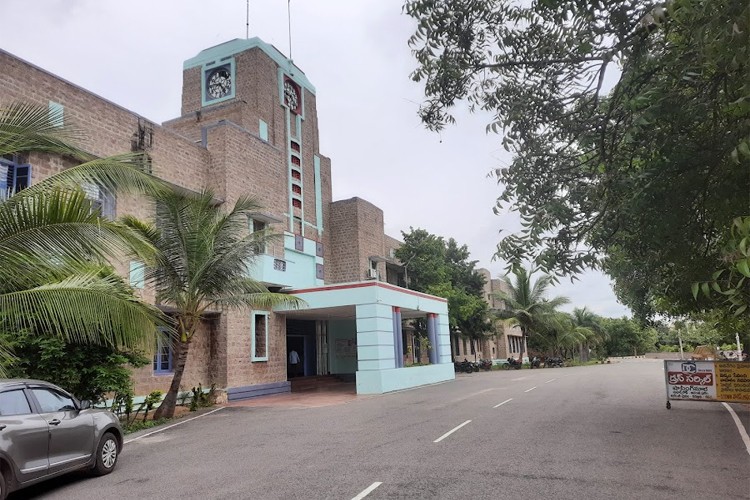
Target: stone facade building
[(507, 340), (248, 126)]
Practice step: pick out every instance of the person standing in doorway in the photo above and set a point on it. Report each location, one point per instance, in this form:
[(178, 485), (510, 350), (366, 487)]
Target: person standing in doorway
[(294, 363)]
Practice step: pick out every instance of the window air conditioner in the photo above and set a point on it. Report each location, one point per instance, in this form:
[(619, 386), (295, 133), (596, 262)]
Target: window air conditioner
[(372, 274)]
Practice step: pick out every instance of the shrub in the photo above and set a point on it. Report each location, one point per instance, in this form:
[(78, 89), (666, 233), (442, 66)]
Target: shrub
[(87, 371)]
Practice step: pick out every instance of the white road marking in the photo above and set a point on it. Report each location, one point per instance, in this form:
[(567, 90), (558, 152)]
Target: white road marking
[(550, 380), (529, 390), (170, 426), (368, 490), (519, 378), (740, 427), (450, 432), (501, 404)]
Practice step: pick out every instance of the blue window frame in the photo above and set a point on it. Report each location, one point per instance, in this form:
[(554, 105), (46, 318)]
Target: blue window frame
[(163, 356), (14, 176)]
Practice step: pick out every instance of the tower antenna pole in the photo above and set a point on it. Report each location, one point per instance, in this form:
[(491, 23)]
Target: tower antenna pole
[(289, 18), (247, 21)]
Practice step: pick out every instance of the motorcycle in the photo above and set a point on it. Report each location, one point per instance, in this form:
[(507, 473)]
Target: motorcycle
[(485, 364), (513, 363), (536, 362), (555, 362), (464, 366)]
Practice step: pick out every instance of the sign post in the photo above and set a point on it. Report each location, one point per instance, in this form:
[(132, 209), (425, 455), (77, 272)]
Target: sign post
[(727, 381)]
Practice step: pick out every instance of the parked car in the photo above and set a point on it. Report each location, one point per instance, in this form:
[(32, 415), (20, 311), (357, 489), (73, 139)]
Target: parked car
[(46, 432)]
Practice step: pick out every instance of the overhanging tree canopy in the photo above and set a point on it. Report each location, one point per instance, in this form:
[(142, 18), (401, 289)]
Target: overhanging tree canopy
[(644, 180)]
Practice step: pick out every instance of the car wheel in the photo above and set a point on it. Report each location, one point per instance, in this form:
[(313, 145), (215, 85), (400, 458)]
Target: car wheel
[(107, 454), (3, 486)]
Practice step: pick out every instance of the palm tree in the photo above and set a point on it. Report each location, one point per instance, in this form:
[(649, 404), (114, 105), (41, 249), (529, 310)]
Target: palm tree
[(55, 246), (590, 329), (525, 304), (203, 254)]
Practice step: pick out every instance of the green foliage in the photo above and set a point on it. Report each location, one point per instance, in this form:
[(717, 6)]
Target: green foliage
[(443, 269), (89, 371), (203, 253), (55, 279), (642, 180), (626, 337), (536, 316), (140, 425), (201, 399), (732, 281)]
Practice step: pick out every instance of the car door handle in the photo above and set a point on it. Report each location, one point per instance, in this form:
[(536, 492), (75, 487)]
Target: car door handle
[(54, 421), (2, 426)]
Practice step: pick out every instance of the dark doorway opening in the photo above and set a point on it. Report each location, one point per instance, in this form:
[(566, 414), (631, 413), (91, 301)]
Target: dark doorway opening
[(300, 338)]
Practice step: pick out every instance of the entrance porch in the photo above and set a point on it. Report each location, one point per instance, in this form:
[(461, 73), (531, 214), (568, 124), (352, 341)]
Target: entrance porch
[(358, 330)]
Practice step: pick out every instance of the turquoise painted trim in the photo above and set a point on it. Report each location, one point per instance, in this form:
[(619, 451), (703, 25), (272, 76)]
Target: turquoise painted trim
[(263, 130), (56, 113), (300, 270), (396, 379), (318, 194), (137, 274), (209, 66), (370, 295), (238, 45), (253, 357), (307, 249)]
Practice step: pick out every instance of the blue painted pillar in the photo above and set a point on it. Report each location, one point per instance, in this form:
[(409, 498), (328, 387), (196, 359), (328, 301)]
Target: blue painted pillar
[(433, 338), (398, 340)]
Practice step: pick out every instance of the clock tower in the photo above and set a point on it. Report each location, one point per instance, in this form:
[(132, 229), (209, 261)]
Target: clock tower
[(255, 112)]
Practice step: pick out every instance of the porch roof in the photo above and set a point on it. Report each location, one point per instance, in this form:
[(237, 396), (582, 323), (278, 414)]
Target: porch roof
[(340, 300)]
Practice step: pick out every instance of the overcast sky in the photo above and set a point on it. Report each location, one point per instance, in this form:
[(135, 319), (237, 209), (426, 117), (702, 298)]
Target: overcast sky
[(354, 51)]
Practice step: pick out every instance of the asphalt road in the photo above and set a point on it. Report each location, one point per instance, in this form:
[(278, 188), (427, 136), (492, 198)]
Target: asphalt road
[(569, 433)]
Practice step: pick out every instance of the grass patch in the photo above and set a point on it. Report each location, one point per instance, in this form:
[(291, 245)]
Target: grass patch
[(140, 425)]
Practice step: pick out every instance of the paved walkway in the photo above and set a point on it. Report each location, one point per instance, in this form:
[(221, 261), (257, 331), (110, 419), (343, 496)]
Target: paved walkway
[(312, 398)]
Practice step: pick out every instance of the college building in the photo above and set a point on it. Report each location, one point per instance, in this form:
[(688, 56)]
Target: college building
[(249, 126)]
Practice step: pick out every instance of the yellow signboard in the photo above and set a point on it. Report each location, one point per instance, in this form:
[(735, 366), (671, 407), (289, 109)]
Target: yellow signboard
[(733, 381)]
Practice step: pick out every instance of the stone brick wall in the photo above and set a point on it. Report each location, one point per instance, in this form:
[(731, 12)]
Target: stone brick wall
[(356, 235)]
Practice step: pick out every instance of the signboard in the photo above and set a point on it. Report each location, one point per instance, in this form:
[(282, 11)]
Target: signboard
[(346, 348), (707, 381)]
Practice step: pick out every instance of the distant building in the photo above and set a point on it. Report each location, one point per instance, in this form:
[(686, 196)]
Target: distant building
[(249, 126), (506, 341)]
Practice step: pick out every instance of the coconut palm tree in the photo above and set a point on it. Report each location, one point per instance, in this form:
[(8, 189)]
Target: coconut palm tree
[(203, 257), (55, 245), (526, 305), (589, 326)]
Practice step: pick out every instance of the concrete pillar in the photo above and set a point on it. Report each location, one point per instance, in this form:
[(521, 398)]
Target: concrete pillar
[(433, 338), (375, 346), (442, 332), (398, 339)]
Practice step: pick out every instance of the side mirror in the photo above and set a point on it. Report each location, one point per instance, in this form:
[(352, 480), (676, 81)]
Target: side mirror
[(85, 404)]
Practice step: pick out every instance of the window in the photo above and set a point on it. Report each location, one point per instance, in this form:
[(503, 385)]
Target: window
[(163, 356), (260, 337), (56, 113), (257, 226), (137, 269), (463, 341), (263, 130), (297, 189), (52, 401), (296, 203), (101, 200), (296, 175), (14, 403), (14, 176)]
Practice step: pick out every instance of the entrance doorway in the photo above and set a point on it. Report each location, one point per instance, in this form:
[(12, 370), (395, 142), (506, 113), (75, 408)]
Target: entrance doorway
[(295, 356), (301, 339)]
